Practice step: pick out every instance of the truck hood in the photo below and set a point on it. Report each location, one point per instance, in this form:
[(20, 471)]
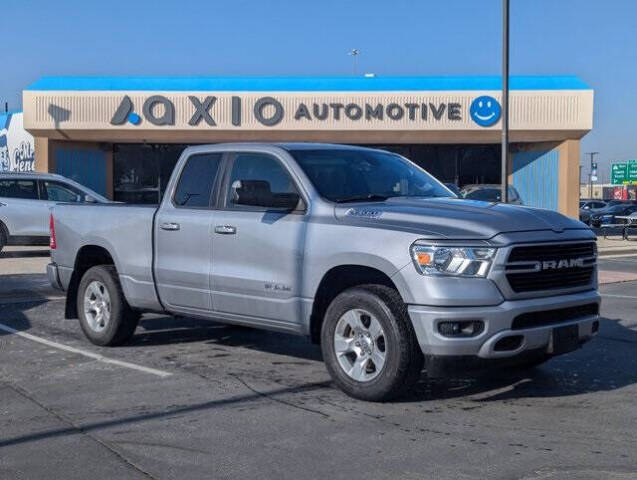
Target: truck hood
[(454, 218)]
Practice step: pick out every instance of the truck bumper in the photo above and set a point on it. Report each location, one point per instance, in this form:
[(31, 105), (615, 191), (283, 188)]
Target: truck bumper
[(502, 338), (54, 276)]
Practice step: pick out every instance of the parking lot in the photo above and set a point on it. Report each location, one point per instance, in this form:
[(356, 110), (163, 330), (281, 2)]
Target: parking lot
[(193, 399)]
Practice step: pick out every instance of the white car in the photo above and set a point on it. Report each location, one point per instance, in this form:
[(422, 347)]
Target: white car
[(25, 202)]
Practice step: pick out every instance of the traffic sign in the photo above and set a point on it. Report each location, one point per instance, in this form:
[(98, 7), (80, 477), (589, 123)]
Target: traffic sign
[(619, 173), (632, 172)]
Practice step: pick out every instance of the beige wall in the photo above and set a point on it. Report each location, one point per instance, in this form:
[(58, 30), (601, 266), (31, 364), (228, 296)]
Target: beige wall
[(44, 159), (568, 195)]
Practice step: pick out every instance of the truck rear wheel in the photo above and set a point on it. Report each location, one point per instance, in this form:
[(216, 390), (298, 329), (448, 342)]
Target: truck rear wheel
[(368, 343), (105, 316)]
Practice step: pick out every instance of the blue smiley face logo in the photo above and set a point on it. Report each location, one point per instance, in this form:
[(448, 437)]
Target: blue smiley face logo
[(485, 111)]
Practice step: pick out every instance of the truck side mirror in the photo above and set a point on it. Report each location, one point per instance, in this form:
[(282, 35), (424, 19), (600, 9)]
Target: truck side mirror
[(89, 199), (257, 193)]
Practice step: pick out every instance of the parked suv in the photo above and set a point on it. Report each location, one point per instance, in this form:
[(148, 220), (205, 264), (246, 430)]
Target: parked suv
[(25, 201)]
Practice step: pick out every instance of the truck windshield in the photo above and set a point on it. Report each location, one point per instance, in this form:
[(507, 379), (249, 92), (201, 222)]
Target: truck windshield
[(361, 175)]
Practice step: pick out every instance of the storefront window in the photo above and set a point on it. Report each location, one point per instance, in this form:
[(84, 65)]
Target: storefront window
[(457, 164), (141, 172)]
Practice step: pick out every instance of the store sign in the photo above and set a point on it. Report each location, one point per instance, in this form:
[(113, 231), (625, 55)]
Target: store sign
[(17, 152), (269, 111)]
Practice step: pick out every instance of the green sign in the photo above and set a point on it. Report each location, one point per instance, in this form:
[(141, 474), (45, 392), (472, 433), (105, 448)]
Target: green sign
[(632, 172), (619, 173), (624, 173)]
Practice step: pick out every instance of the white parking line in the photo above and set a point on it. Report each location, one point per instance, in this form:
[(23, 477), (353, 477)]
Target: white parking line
[(617, 296), (94, 356)]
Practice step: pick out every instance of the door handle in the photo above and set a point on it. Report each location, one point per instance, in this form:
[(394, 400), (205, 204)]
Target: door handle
[(171, 227), (3, 204), (226, 229)]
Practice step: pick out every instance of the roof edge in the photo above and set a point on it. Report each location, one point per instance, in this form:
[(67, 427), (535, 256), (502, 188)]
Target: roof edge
[(307, 84)]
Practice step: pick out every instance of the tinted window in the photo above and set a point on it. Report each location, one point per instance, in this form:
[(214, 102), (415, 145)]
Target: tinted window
[(349, 175), (486, 194), (256, 166), (197, 178), (19, 189), (59, 192)]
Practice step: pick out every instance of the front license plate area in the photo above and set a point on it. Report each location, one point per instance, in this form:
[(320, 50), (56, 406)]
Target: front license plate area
[(565, 339)]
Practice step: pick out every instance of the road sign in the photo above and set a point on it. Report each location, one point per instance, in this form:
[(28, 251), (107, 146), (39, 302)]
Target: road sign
[(594, 165), (619, 173), (632, 172), (593, 178)]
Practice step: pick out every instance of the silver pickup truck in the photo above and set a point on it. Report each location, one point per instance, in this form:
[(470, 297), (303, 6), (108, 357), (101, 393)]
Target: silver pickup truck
[(357, 248)]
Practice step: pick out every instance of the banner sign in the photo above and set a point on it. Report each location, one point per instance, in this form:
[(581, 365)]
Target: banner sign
[(17, 147)]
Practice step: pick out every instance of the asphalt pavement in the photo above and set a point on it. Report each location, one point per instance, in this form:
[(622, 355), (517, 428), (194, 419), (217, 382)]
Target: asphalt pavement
[(194, 399)]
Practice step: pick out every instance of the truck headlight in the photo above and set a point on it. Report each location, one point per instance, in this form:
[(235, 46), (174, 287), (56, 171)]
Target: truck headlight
[(452, 261)]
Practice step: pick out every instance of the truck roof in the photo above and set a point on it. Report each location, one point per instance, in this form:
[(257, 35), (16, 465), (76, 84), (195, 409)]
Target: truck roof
[(287, 145)]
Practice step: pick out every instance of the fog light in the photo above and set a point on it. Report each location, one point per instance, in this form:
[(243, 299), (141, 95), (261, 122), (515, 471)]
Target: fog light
[(466, 328)]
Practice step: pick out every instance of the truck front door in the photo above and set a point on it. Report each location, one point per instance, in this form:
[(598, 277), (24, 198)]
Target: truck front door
[(183, 236), (258, 251)]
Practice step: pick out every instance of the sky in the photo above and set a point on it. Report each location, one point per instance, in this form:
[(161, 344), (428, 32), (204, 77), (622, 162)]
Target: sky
[(593, 39)]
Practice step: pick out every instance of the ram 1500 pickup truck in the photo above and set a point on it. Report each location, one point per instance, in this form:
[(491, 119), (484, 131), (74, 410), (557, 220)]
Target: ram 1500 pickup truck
[(359, 249)]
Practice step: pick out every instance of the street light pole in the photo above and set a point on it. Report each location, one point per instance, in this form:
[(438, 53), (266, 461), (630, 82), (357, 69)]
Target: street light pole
[(354, 53), (590, 174), (505, 101)]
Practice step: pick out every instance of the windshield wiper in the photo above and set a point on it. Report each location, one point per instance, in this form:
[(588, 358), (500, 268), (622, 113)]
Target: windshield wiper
[(366, 198)]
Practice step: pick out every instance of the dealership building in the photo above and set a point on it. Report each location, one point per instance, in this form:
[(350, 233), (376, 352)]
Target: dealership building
[(123, 136)]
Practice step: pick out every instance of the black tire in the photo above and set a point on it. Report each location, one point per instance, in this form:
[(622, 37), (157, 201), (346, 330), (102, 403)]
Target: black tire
[(404, 359), (123, 320)]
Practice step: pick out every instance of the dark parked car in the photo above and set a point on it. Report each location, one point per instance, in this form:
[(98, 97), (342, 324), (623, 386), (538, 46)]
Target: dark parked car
[(608, 215), (490, 193), (588, 207), (611, 203)]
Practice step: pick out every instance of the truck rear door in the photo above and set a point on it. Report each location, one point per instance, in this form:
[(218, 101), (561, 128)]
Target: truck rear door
[(183, 236)]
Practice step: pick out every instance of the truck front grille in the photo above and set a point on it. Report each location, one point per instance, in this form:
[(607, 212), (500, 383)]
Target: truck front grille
[(551, 317), (549, 267)]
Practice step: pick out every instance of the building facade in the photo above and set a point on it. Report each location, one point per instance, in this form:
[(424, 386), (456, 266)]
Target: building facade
[(123, 136)]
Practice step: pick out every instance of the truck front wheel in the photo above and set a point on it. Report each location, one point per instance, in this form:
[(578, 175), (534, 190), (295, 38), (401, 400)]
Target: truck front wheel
[(105, 316), (368, 344)]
